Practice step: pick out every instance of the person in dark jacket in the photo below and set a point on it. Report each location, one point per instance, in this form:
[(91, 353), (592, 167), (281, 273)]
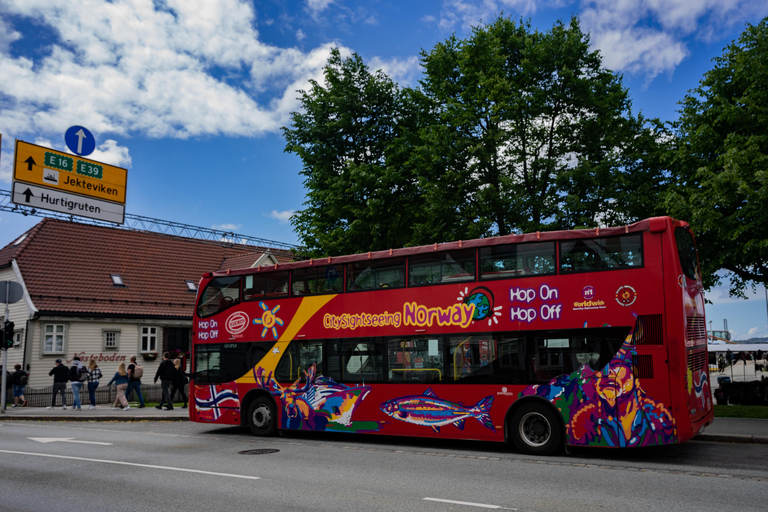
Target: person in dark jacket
[(179, 381), (17, 378), (165, 372), (60, 374)]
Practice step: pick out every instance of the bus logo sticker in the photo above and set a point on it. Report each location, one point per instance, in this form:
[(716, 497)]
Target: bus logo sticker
[(269, 320), (590, 300), (236, 323), (482, 298), (626, 295)]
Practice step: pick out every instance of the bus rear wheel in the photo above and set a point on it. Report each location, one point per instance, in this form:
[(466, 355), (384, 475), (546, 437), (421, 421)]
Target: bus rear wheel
[(261, 417), (536, 429)]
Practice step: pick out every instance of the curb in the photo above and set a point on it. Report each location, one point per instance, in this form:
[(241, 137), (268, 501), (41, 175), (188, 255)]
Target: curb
[(732, 438), (95, 418)]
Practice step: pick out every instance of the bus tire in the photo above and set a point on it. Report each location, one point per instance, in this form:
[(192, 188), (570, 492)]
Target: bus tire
[(536, 429), (262, 419)]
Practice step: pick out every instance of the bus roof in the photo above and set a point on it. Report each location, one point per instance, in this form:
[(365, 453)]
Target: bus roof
[(654, 224)]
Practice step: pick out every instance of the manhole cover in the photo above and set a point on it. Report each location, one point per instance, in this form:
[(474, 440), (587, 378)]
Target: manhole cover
[(262, 451)]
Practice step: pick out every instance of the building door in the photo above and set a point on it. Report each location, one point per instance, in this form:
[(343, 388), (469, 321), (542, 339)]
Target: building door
[(177, 342)]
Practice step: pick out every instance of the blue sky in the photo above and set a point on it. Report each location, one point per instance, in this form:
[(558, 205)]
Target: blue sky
[(190, 95)]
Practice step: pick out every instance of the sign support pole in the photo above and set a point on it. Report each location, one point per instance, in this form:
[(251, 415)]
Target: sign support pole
[(5, 349)]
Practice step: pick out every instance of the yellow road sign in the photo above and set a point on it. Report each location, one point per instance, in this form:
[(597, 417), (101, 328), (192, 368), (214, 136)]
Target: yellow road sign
[(64, 172)]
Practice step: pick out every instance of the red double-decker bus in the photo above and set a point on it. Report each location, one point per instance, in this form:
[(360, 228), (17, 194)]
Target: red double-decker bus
[(588, 337)]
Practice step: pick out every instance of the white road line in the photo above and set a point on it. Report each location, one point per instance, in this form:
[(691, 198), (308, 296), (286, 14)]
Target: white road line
[(481, 505), (132, 464), (64, 440)]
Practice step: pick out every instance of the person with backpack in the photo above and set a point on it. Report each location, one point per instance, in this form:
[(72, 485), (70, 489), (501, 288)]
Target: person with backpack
[(19, 381), (60, 373), (78, 374), (94, 374), (135, 372)]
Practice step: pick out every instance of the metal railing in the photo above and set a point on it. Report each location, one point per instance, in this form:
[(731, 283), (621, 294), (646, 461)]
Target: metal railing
[(141, 223), (41, 397)]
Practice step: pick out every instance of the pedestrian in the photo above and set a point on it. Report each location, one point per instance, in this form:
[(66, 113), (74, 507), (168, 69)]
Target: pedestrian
[(135, 372), (121, 382), (60, 377), (165, 372), (78, 374), (19, 381), (94, 374), (180, 380)]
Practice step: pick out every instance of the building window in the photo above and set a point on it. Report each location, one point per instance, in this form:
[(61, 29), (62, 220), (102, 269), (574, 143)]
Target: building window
[(117, 280), (17, 337), (149, 340), (54, 338), (111, 339), (191, 285)]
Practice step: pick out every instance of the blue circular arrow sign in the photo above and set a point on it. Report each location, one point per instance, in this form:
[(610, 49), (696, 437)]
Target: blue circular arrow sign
[(79, 140)]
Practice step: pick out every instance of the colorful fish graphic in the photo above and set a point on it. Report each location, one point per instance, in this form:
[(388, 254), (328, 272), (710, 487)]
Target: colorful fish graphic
[(429, 410), (319, 403)]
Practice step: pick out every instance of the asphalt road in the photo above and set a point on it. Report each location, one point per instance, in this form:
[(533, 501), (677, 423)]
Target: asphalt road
[(186, 466)]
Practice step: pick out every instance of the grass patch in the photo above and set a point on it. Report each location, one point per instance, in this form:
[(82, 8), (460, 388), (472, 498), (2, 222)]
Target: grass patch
[(741, 411)]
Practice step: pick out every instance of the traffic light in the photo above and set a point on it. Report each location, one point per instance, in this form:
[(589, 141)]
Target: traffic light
[(8, 334)]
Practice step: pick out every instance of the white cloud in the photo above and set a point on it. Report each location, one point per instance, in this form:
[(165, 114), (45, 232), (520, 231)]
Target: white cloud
[(650, 36), (226, 227), (637, 36), (318, 6), (160, 69), (110, 152), (403, 72), (283, 217), (465, 14), (7, 35)]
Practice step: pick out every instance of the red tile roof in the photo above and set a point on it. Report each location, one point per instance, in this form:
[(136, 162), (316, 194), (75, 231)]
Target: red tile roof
[(66, 268)]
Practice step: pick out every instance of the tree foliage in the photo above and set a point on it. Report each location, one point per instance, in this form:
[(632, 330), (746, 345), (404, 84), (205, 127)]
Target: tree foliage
[(720, 161), (532, 133), (351, 138), (512, 130)]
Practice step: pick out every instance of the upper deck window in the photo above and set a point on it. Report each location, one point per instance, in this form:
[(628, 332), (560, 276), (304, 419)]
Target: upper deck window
[(442, 267), (317, 280), (376, 274), (266, 285), (686, 250), (219, 294), (516, 260), (589, 255)]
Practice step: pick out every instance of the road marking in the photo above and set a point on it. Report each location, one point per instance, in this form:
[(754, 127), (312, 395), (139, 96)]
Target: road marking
[(152, 466), (65, 440), (467, 503)]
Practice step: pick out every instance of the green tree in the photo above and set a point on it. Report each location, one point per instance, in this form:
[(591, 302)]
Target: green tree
[(532, 133), (720, 163), (353, 137)]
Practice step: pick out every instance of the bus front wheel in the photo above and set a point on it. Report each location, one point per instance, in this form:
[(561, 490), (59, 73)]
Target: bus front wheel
[(261, 417), (536, 429)]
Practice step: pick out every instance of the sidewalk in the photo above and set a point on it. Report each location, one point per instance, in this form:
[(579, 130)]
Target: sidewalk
[(101, 413)]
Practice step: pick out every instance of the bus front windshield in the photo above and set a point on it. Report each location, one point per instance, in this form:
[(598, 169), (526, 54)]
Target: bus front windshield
[(218, 295), (686, 250)]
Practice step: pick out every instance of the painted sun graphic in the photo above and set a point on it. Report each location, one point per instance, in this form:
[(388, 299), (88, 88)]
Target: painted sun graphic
[(268, 320), (482, 298)]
